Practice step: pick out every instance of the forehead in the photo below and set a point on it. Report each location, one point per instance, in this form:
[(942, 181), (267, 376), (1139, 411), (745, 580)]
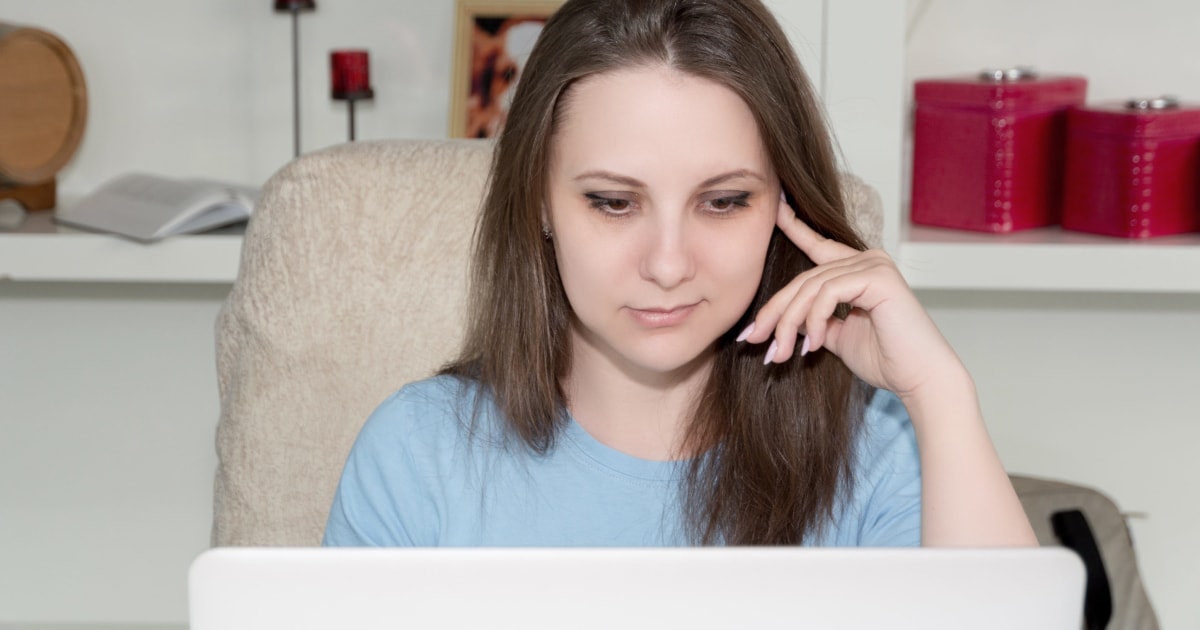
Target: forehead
[(652, 119)]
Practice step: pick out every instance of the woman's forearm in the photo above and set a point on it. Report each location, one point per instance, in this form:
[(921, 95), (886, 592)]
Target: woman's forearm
[(967, 498)]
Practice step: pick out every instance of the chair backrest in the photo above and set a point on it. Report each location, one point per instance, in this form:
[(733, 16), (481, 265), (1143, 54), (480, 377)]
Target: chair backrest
[(352, 282)]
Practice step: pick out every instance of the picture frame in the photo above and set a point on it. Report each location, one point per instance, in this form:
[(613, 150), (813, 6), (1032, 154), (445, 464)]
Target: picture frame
[(492, 41)]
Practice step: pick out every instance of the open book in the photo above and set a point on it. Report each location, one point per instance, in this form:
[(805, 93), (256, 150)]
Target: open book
[(151, 207)]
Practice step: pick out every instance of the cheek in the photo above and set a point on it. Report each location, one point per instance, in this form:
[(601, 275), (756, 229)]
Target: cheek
[(740, 281), (587, 262), (738, 258)]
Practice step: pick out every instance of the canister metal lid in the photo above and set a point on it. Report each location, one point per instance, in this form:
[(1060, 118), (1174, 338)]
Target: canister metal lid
[(1018, 73), (1162, 102)]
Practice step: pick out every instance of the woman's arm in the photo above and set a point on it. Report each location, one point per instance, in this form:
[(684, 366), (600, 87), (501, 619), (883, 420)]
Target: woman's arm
[(889, 341), (966, 496)]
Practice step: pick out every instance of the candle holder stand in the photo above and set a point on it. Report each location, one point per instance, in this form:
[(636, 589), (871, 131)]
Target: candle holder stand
[(294, 7), (351, 98)]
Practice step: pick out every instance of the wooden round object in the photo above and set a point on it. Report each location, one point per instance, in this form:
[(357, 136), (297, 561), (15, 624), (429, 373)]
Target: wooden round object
[(43, 104)]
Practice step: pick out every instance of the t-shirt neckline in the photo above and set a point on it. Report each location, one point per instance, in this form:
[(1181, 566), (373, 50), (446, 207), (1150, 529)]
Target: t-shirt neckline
[(618, 461)]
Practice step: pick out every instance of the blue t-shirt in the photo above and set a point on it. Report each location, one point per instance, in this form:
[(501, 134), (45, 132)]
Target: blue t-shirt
[(415, 478)]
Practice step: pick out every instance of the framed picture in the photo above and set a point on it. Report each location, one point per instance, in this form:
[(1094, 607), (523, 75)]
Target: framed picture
[(492, 43)]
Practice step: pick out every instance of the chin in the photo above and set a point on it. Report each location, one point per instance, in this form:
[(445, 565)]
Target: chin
[(666, 360), (667, 352)]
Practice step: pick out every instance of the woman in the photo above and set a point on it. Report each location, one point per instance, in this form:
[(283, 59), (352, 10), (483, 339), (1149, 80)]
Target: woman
[(676, 336)]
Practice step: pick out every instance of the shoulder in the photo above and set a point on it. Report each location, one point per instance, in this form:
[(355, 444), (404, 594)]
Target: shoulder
[(424, 405), (406, 450), (438, 392), (427, 416)]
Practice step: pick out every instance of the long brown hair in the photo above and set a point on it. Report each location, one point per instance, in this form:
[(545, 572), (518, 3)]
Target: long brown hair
[(775, 442)]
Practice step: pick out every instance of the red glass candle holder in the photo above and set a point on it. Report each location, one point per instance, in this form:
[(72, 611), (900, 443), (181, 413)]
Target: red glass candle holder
[(1132, 169), (350, 75), (988, 149)]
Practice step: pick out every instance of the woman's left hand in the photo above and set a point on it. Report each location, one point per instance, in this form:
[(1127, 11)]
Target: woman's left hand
[(887, 340)]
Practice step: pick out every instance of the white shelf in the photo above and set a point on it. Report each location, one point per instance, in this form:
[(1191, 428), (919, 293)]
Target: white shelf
[(1048, 259), (41, 251)]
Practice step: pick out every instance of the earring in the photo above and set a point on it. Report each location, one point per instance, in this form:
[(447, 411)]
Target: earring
[(546, 232)]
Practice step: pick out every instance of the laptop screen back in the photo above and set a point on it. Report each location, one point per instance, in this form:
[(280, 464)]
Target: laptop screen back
[(631, 589)]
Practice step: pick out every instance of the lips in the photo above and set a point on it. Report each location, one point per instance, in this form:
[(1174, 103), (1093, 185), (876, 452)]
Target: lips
[(662, 317)]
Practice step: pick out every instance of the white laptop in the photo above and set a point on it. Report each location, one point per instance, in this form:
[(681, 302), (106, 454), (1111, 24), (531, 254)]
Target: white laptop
[(632, 589)]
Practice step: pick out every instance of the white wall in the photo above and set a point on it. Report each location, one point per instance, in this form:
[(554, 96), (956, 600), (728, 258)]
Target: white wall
[(1125, 49), (205, 88), (108, 407), (1092, 388)]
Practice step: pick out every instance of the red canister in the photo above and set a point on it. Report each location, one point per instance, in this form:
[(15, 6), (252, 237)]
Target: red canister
[(1132, 169), (988, 149)]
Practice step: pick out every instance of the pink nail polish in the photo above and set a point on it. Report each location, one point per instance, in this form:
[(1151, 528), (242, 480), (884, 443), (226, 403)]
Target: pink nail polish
[(746, 333), (771, 352), (804, 347)]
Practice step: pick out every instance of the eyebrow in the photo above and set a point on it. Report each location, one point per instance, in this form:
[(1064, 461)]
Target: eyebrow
[(738, 174), (612, 177), (635, 183)]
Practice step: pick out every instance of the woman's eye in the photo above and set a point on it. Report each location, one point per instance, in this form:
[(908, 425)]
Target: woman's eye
[(610, 205), (729, 203)]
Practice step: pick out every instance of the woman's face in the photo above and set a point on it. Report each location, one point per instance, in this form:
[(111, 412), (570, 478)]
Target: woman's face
[(662, 202)]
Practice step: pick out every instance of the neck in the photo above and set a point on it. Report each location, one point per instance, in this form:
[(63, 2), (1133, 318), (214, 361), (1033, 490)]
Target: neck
[(638, 412)]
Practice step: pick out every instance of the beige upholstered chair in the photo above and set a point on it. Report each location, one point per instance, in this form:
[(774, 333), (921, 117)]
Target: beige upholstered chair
[(352, 283)]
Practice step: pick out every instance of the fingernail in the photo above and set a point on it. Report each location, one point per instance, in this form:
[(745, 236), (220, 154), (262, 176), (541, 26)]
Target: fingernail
[(804, 347), (771, 352), (782, 197), (746, 333)]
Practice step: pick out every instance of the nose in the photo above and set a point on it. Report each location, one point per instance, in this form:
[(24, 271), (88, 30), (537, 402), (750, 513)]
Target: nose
[(667, 259)]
